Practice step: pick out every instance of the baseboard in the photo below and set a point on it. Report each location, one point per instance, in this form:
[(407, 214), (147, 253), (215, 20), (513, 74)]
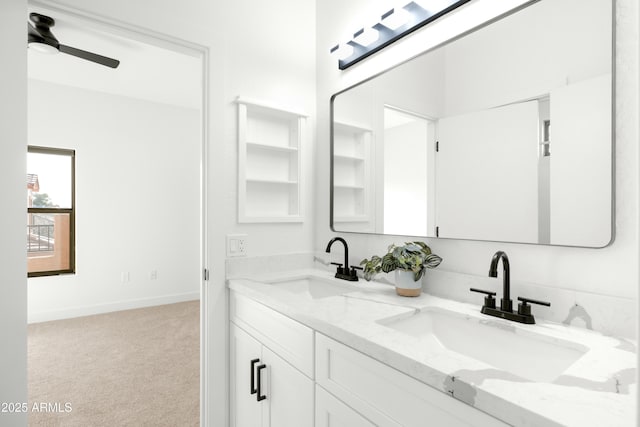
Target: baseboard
[(67, 313)]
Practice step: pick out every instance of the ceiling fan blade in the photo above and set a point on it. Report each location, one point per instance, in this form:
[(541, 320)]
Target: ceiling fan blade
[(93, 57)]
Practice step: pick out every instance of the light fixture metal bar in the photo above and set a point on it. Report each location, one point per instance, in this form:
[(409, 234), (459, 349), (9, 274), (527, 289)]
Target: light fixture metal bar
[(419, 18)]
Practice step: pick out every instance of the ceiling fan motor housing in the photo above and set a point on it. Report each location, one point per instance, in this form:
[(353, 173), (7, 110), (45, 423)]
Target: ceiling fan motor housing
[(43, 32)]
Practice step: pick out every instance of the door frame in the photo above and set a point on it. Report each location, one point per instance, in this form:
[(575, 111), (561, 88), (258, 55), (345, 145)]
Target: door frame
[(168, 42)]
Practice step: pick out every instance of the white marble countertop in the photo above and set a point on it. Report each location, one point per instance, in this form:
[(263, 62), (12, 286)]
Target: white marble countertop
[(599, 389)]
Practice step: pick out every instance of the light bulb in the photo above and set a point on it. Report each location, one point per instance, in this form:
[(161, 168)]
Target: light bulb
[(343, 51), (395, 18), (365, 36)]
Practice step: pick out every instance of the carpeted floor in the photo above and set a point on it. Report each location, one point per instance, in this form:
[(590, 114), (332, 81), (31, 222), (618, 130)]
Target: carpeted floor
[(129, 368)]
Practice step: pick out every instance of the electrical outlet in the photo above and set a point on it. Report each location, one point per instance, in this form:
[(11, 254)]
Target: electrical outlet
[(153, 274), (236, 245), (124, 276)]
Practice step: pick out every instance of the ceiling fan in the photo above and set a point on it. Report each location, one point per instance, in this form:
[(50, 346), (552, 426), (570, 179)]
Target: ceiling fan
[(41, 38)]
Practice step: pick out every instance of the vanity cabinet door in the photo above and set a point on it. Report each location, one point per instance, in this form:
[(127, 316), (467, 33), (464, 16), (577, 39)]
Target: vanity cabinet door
[(330, 412), (246, 411), (288, 392), (265, 390)]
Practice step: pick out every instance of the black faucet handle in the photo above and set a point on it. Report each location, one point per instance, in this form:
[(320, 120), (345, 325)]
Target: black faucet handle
[(489, 300), (534, 301), (339, 268), (353, 273), (525, 309), (482, 291)]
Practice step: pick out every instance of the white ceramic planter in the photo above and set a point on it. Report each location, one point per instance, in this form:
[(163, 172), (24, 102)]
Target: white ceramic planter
[(405, 285)]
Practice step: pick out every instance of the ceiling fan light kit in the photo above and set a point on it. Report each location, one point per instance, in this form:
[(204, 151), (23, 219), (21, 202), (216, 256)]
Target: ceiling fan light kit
[(41, 39)]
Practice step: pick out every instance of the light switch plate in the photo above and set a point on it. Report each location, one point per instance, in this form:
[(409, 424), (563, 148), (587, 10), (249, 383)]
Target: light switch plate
[(236, 245)]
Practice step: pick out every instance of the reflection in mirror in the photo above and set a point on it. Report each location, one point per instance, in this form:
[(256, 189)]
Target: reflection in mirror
[(503, 134), (403, 163)]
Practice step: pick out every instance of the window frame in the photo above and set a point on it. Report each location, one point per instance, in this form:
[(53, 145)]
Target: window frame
[(69, 211)]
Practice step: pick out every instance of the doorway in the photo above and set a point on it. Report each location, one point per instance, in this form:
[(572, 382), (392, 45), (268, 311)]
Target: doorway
[(138, 133)]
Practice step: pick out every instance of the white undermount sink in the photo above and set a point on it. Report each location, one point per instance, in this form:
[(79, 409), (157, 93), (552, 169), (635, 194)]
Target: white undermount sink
[(505, 346), (313, 287)]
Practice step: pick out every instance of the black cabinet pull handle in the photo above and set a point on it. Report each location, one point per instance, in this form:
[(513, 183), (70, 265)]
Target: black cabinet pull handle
[(253, 389), (260, 395)]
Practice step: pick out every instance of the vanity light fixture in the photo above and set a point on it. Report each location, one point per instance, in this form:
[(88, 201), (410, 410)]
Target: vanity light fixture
[(393, 25)]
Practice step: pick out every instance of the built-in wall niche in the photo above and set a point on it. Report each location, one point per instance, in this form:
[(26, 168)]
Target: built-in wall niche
[(352, 180), (270, 140)]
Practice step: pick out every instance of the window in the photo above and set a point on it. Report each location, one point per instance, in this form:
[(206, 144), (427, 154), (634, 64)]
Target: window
[(50, 211)]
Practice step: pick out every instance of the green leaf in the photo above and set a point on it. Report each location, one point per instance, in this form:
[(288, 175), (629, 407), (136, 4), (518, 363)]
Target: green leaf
[(412, 247), (425, 249), (432, 261)]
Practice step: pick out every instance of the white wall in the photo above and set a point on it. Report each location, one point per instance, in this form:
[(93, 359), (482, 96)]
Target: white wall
[(13, 159), (137, 200), (612, 271)]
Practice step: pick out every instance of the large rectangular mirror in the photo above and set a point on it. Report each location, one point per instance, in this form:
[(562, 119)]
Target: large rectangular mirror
[(504, 134)]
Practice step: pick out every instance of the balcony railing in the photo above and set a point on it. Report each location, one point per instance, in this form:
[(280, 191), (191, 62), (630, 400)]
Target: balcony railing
[(40, 238)]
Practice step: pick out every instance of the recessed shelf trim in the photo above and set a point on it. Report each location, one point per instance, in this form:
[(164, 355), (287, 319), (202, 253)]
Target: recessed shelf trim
[(272, 147), (271, 181), (270, 106)]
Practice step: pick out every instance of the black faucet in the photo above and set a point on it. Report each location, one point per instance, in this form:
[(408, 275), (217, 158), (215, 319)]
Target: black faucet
[(506, 305), (343, 272)]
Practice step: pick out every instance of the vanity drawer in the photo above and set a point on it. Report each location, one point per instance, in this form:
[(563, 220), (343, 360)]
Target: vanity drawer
[(289, 339), (386, 396)]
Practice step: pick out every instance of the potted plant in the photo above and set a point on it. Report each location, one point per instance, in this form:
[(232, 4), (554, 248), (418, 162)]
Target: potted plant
[(409, 263)]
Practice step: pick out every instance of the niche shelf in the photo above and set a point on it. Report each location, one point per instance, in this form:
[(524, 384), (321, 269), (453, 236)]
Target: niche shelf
[(270, 141), (352, 179)]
